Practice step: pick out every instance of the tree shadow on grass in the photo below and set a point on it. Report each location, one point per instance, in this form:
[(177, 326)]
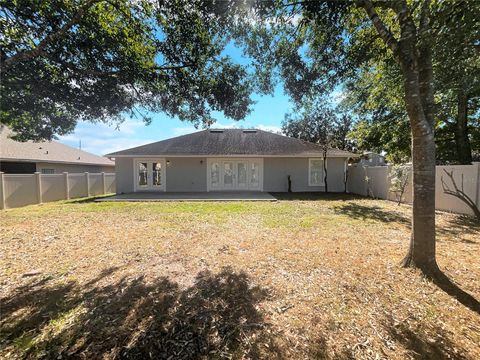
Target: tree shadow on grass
[(363, 212), (443, 282), (437, 277), (430, 344), (457, 226), (216, 317), (86, 200), (315, 196)]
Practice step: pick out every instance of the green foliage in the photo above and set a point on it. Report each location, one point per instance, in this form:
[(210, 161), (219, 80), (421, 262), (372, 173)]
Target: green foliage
[(318, 123), (399, 180), (69, 60), (375, 92)]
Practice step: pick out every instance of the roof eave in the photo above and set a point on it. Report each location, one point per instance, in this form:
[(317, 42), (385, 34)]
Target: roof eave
[(348, 155), (55, 161)]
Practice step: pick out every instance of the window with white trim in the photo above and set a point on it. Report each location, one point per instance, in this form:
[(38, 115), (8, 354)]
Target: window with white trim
[(315, 172), (48, 171)]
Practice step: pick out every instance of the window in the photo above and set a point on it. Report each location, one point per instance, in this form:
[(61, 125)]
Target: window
[(157, 173), (315, 172), (228, 173), (254, 175), (142, 174), (48, 171), (215, 174)]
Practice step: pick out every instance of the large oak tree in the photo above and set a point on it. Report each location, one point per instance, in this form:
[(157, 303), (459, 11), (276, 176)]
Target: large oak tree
[(62, 61), (315, 44), (374, 91)]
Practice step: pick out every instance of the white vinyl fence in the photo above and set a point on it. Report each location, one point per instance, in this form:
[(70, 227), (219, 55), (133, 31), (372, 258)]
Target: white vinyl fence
[(24, 189), (375, 181)]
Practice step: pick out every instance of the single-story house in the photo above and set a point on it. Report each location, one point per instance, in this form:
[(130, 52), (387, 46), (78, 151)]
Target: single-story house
[(47, 157), (370, 158), (229, 160)]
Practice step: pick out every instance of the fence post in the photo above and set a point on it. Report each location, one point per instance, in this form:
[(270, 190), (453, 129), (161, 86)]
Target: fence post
[(104, 185), (38, 178), (477, 181), (2, 192), (67, 186), (87, 181)]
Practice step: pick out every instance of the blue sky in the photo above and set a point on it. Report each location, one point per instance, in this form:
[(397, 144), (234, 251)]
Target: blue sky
[(267, 114)]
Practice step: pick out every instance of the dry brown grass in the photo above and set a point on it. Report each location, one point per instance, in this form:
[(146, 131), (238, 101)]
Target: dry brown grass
[(305, 278)]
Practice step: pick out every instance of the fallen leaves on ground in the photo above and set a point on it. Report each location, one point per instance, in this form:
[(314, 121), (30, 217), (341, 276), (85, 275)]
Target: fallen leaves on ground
[(300, 278)]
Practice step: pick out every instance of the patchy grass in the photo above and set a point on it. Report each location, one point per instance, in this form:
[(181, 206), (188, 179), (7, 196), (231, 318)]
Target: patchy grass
[(305, 277)]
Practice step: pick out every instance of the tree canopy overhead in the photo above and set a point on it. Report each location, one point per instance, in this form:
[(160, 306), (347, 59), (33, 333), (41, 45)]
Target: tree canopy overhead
[(68, 60), (374, 90)]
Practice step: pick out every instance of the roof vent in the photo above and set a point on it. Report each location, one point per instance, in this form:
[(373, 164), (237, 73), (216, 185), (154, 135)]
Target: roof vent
[(249, 131), (216, 130)]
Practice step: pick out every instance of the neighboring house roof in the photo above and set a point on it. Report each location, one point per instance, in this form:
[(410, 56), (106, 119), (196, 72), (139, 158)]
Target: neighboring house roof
[(228, 142), (45, 151)]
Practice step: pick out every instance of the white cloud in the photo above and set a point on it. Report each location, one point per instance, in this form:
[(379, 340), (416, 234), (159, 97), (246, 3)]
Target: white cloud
[(102, 139), (232, 125), (270, 128)]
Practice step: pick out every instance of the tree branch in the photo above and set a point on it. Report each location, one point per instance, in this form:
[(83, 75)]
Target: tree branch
[(382, 30), (39, 50), (460, 194), (174, 67)]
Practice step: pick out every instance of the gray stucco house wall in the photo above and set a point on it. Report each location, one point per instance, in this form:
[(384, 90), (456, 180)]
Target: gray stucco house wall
[(190, 175), (276, 171), (123, 175), (187, 174), (187, 163)]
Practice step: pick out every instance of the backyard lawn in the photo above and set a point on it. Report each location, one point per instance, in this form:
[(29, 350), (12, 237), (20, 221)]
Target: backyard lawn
[(298, 278)]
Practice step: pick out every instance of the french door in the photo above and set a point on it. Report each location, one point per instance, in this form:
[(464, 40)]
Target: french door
[(149, 175), (235, 174)]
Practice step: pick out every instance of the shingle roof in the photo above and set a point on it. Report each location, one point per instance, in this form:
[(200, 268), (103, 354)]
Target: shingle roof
[(219, 142), (45, 151)]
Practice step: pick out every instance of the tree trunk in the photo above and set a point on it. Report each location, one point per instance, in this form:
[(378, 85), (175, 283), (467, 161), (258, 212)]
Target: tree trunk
[(325, 170), (462, 142), (422, 243)]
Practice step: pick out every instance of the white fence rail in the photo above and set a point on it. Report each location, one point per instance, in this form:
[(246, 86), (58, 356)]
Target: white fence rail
[(378, 185), (25, 189)]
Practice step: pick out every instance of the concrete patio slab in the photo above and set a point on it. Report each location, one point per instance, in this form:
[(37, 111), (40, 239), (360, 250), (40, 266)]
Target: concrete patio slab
[(191, 196)]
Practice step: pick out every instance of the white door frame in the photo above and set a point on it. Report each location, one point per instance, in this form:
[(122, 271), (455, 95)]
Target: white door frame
[(235, 161), (237, 176), (150, 187)]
